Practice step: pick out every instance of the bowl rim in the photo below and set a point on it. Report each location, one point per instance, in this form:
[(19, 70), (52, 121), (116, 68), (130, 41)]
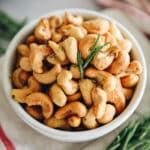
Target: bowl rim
[(77, 136)]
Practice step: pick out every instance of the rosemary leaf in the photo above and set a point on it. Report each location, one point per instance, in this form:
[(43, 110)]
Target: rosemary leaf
[(80, 64)]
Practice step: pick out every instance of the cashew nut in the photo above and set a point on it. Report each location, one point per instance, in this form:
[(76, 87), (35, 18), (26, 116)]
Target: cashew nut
[(128, 93), (107, 80), (64, 80), (120, 64), (77, 32), (57, 95), (57, 123), (75, 72), (70, 19), (20, 94), (49, 76), (130, 80), (86, 86), (31, 39), (41, 99), (23, 50), (73, 108), (71, 48), (99, 98), (96, 26), (57, 50), (74, 97), (25, 64), (35, 112), (56, 37), (55, 22), (74, 121), (109, 114), (42, 30), (89, 121)]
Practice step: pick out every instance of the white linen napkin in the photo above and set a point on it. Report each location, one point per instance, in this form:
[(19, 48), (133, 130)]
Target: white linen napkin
[(25, 138)]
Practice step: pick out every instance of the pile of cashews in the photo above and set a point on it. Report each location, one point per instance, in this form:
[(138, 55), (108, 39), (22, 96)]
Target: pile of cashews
[(46, 77)]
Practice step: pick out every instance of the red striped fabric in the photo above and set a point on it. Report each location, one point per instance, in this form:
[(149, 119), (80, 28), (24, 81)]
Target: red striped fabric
[(8, 144)]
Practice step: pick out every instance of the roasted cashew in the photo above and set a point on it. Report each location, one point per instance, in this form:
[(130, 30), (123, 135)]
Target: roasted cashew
[(35, 112), (77, 32), (73, 108), (109, 114), (64, 79), (25, 64), (128, 93), (70, 19), (49, 76), (89, 121), (130, 80), (23, 50), (74, 97), (75, 72), (42, 30), (57, 123), (107, 80), (57, 49), (38, 52), (55, 22), (110, 38), (99, 98), (96, 26), (20, 94), (71, 48), (56, 37), (120, 64), (31, 39), (74, 121), (86, 86), (57, 95), (41, 99)]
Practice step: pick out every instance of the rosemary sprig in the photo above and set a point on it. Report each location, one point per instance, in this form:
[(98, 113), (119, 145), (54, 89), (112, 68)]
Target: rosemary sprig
[(80, 64)]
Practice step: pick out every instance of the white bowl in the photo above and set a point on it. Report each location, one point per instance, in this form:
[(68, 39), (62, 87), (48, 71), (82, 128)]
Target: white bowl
[(69, 136)]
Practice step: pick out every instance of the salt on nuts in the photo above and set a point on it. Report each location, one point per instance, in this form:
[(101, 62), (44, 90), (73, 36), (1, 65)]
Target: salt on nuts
[(128, 93), (109, 114), (89, 121), (104, 78), (77, 32), (34, 111), (57, 123), (20, 94), (23, 50), (71, 48), (42, 30), (70, 19), (130, 80), (120, 64), (75, 72), (73, 108), (74, 121), (38, 52), (96, 26), (31, 39), (25, 64), (57, 95), (64, 80), (49, 76), (99, 98), (57, 49), (74, 97), (55, 22), (86, 86)]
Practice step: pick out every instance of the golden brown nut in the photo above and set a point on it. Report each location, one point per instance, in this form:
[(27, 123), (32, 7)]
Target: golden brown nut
[(74, 97), (40, 99), (55, 22), (56, 37), (74, 121), (128, 93), (73, 108), (86, 86), (23, 50), (25, 64), (75, 72), (57, 123), (57, 95), (42, 30), (31, 39), (34, 111), (64, 80), (109, 114), (96, 26)]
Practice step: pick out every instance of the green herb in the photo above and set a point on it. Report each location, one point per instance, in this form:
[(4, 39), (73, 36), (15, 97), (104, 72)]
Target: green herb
[(135, 136), (80, 64), (8, 28)]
